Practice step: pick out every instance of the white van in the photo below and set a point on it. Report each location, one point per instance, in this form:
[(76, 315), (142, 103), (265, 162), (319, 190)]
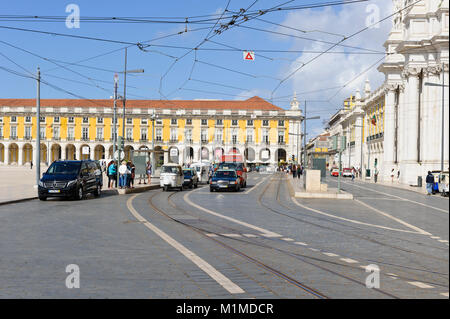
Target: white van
[(171, 177), (202, 169)]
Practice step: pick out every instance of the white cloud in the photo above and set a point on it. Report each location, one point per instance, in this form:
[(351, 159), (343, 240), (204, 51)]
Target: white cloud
[(332, 70)]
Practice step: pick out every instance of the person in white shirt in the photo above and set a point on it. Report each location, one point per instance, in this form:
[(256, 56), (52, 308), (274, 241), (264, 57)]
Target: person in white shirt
[(123, 171)]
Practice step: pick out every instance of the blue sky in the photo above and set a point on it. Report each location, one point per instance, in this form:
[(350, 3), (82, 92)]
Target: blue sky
[(261, 77)]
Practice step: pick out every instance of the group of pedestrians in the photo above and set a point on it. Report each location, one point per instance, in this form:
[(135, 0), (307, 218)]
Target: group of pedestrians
[(297, 171), (126, 172)]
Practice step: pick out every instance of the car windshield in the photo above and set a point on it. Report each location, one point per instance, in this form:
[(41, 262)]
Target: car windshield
[(64, 168), (170, 169), (235, 166), (223, 174)]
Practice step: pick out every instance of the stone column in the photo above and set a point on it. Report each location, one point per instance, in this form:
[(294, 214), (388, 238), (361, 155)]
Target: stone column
[(20, 155), (63, 152), (358, 140), (7, 155), (389, 131), (410, 129)]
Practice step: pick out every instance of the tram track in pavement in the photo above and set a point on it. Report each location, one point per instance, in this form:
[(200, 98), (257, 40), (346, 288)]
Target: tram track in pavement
[(249, 241), (405, 269), (347, 226), (203, 232)]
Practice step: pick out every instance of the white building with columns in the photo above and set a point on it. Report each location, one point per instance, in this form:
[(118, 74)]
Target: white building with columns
[(404, 124)]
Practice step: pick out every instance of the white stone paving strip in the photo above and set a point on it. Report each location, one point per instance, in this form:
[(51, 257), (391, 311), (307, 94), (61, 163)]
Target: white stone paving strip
[(420, 284), (349, 260), (445, 294), (418, 203), (331, 254), (443, 241), (232, 235), (211, 235), (287, 239), (250, 235), (226, 283), (313, 249)]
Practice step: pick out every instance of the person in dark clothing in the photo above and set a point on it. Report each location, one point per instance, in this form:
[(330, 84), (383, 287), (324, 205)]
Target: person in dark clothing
[(294, 171), (430, 182), (299, 171)]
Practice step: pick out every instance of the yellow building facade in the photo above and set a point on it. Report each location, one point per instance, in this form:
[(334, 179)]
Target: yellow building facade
[(188, 130)]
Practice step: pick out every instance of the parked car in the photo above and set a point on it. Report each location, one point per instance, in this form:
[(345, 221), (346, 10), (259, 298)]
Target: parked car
[(347, 172), (240, 169), (335, 172), (71, 179), (171, 177), (190, 178), (225, 179)]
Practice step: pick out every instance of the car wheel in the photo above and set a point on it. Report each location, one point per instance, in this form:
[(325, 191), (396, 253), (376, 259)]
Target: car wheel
[(192, 185), (211, 190), (196, 185), (42, 198), (79, 194), (165, 188), (98, 191)]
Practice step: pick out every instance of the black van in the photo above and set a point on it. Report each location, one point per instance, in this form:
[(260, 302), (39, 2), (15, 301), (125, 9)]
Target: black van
[(71, 179)]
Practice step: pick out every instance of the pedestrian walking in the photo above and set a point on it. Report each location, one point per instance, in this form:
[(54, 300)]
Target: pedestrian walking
[(353, 174), (294, 171), (31, 164), (149, 172), (398, 176), (299, 171), (392, 175), (375, 175), (430, 181), (128, 178)]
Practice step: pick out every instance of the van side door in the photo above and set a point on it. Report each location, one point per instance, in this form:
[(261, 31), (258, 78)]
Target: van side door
[(84, 176)]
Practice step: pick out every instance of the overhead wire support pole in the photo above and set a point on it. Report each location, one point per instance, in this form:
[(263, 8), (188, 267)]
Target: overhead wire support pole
[(38, 127)]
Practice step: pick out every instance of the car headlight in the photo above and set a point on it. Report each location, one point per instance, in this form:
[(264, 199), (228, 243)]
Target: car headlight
[(71, 183), (41, 184), (213, 182)]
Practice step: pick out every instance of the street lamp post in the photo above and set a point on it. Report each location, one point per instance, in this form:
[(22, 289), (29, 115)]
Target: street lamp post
[(125, 71), (443, 114)]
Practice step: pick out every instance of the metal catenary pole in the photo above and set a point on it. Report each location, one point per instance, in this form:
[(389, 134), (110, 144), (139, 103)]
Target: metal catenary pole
[(38, 127), (124, 99)]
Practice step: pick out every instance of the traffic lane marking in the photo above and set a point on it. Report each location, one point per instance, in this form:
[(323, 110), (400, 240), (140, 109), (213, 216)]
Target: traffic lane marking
[(264, 232), (399, 197), (349, 260), (351, 220), (226, 283), (420, 284), (398, 220), (445, 294)]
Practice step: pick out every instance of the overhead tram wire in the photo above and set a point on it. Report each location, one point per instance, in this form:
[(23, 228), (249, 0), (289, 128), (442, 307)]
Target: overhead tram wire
[(338, 43), (194, 49)]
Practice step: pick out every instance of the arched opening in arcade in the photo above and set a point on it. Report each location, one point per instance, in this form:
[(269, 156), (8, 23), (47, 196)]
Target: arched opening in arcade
[(204, 154), (43, 153), (128, 150), (55, 153), (173, 155), (2, 153), (13, 152), (85, 152), (70, 152), (188, 154), (27, 153), (280, 156), (99, 152)]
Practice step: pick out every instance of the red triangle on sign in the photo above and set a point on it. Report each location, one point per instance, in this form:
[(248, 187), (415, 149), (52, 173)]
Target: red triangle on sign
[(249, 56)]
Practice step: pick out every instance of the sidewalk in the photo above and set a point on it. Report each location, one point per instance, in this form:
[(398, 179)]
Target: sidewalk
[(18, 183)]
